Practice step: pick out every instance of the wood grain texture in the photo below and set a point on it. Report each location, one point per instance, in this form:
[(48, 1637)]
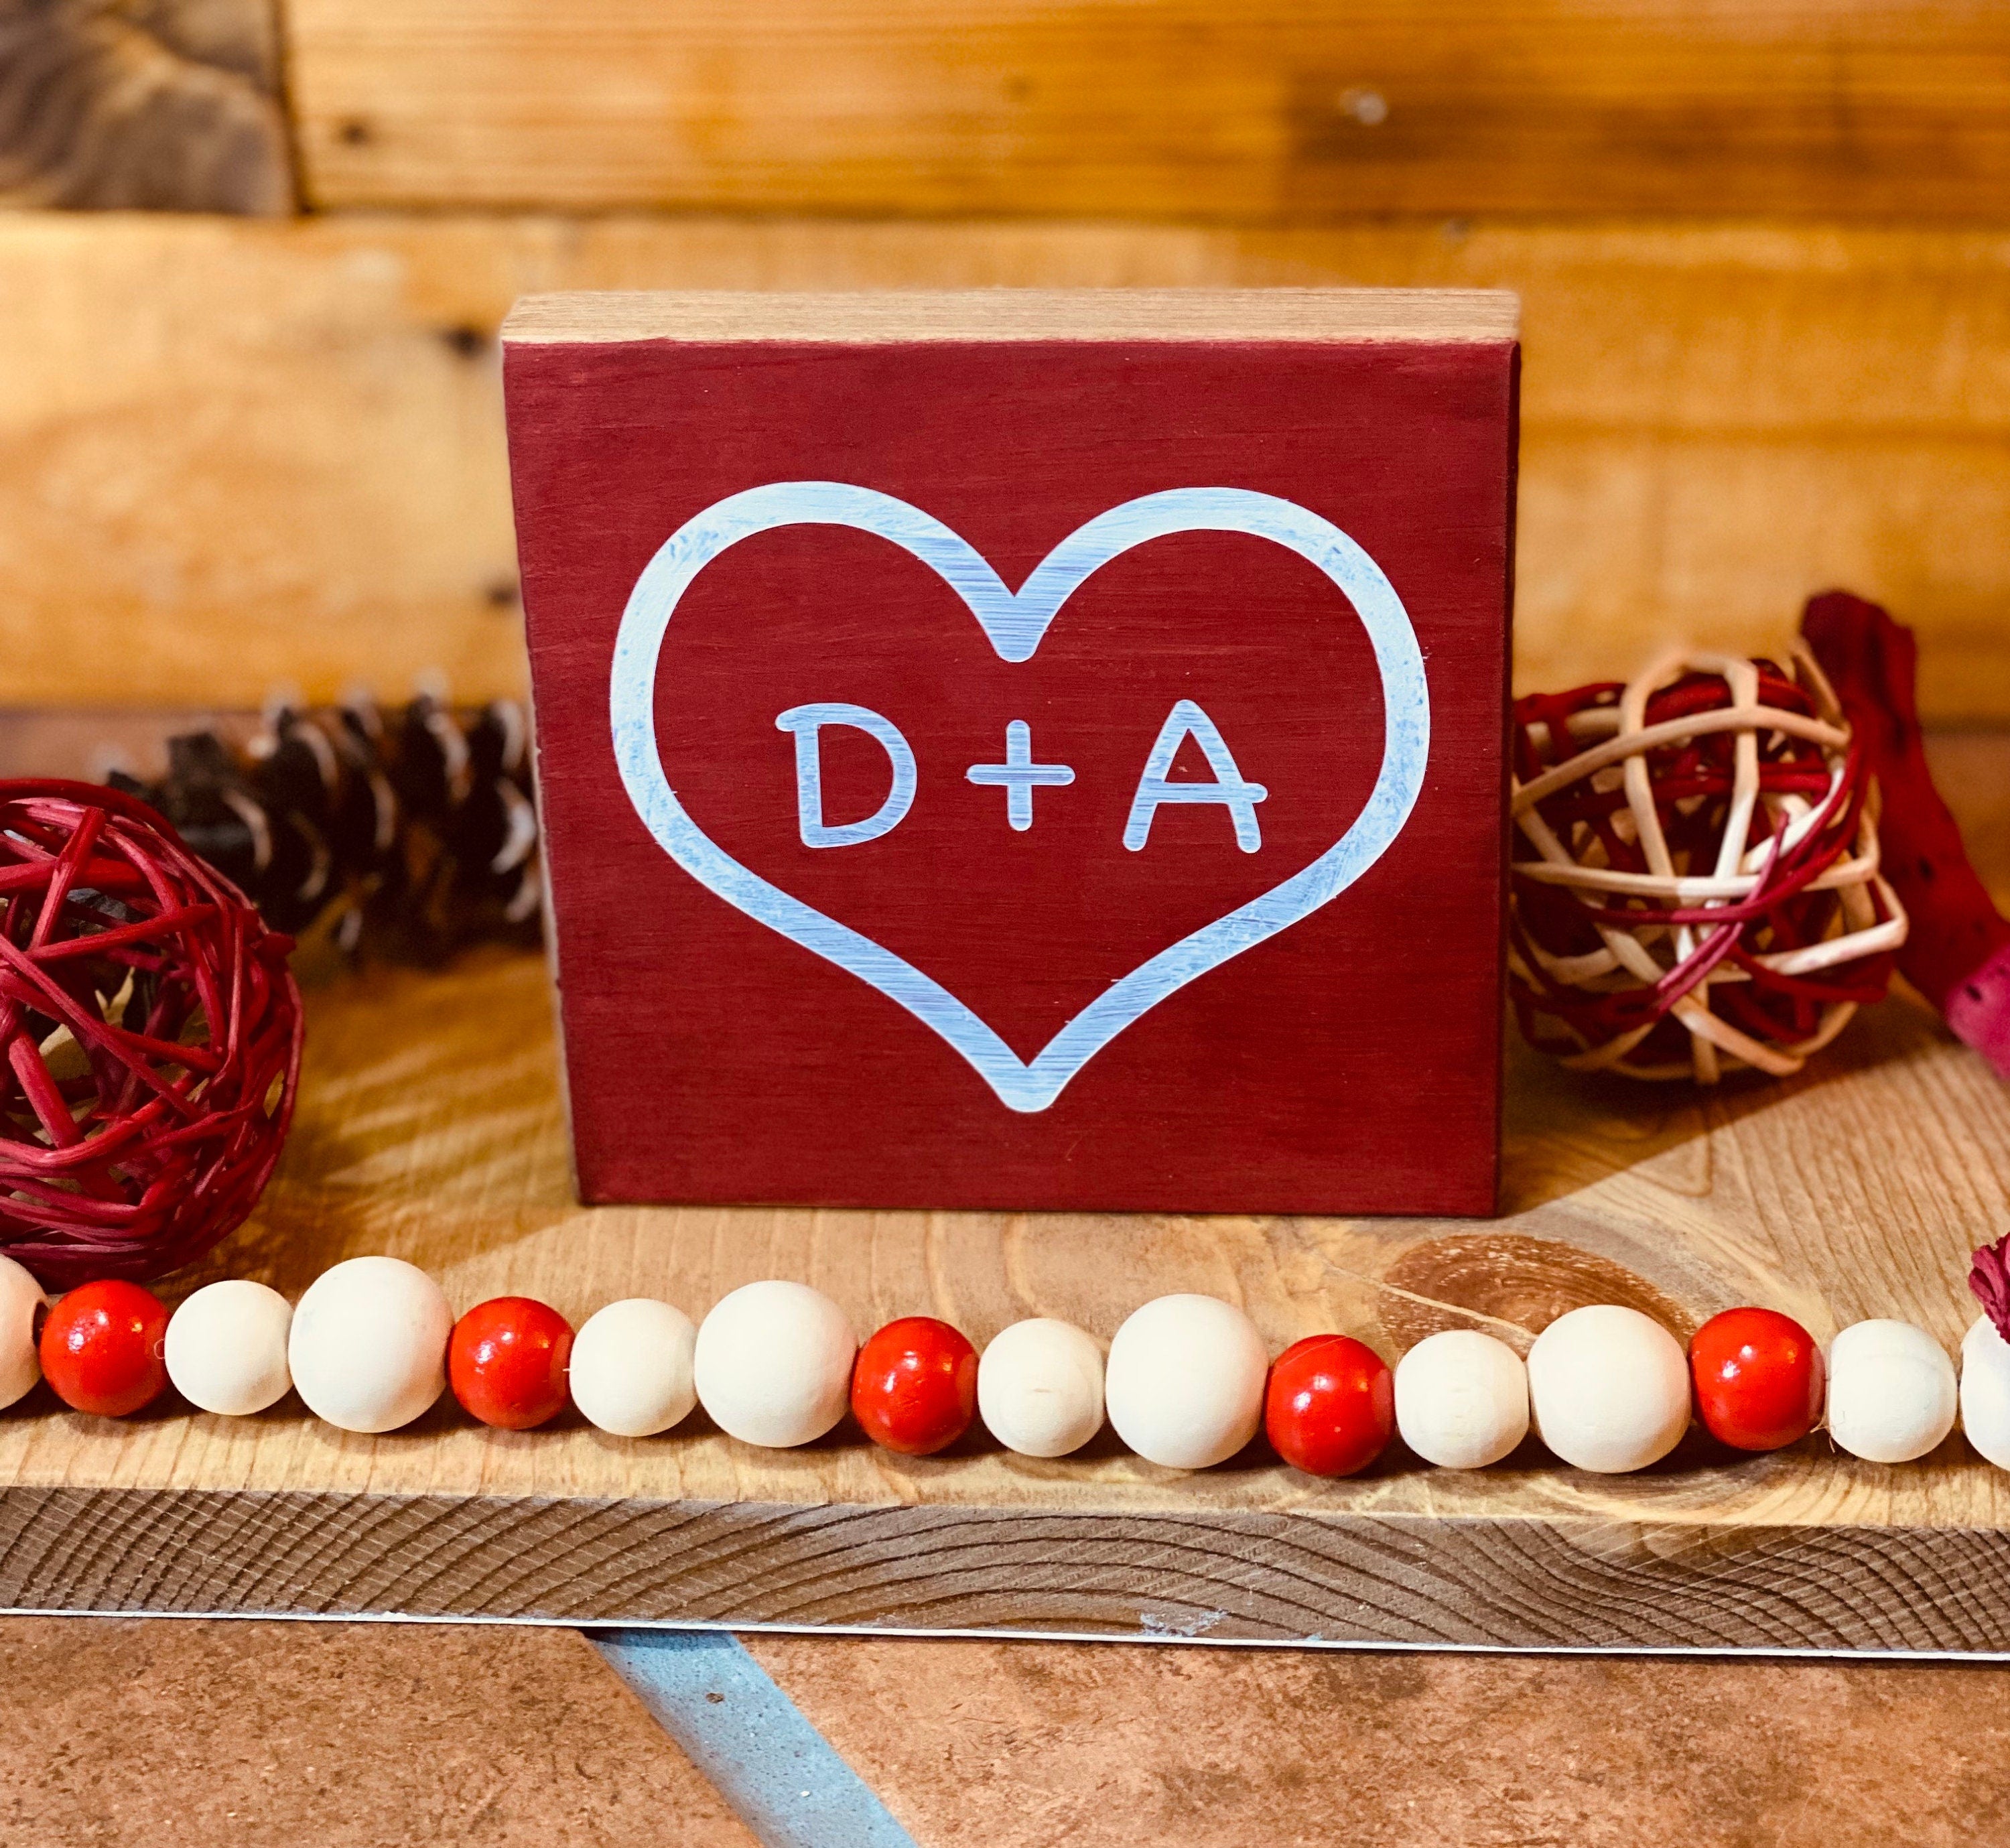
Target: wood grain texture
[(431, 1127), (1172, 109), (164, 105), (235, 455), (1225, 1575)]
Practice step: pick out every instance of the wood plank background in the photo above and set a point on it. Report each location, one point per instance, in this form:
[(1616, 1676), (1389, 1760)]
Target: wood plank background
[(168, 105), (1280, 110), (235, 455), (1763, 247)]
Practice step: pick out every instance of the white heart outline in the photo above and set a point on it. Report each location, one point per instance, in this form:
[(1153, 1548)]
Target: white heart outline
[(1014, 622)]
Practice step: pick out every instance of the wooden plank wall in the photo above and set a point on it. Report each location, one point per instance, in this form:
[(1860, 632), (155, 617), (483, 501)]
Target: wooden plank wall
[(161, 104), (1764, 252), (1231, 110)]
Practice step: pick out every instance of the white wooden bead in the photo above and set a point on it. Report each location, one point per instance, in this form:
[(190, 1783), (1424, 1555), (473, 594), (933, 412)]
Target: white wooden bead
[(21, 1297), (1039, 1388), (1608, 1389), (1185, 1385), (226, 1347), (1985, 1391), (631, 1367), (1891, 1391), (772, 1365), (368, 1344), (1461, 1399)]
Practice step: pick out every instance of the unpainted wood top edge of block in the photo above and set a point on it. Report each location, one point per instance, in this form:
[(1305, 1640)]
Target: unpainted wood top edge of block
[(719, 317)]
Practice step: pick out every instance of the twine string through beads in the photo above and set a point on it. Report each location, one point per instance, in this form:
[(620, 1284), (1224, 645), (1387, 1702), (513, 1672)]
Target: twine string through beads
[(152, 1035), (1695, 879)]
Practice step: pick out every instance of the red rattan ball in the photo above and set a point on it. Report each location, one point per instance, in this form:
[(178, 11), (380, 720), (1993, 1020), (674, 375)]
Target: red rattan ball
[(1695, 880), (152, 1034)]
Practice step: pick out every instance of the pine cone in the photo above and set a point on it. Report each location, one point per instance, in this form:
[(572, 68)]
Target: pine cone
[(407, 834)]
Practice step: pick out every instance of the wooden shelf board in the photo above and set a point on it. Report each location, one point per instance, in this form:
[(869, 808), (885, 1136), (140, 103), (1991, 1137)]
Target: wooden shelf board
[(431, 1127)]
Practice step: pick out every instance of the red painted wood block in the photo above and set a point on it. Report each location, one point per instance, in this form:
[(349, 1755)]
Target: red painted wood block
[(1022, 751)]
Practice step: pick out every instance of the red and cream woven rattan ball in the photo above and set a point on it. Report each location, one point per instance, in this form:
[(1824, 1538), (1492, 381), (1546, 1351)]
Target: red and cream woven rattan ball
[(1695, 881), (152, 1037)]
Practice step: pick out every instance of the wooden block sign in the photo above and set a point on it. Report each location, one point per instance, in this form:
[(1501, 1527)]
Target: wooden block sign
[(1019, 751)]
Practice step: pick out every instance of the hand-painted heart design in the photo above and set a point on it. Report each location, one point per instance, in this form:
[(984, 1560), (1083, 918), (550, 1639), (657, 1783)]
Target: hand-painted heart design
[(1014, 622)]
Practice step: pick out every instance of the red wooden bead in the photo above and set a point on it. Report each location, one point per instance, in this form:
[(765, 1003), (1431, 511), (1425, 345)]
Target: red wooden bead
[(1759, 1378), (1329, 1405), (506, 1360), (914, 1387), (101, 1347)]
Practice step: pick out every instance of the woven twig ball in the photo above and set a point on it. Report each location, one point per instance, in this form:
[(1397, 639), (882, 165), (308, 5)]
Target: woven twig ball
[(152, 1040), (1694, 883)]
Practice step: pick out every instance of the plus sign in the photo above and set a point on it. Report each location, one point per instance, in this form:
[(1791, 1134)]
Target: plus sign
[(1019, 773)]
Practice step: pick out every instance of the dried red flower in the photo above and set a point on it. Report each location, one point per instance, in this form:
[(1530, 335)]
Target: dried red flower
[(1989, 1278)]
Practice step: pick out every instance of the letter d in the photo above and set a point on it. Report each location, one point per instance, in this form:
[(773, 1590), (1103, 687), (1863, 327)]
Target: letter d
[(807, 722)]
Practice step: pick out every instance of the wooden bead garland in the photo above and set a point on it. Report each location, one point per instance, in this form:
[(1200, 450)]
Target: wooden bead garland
[(1985, 1391), (226, 1347), (1694, 883), (21, 1300), (1985, 1356), (1184, 1381), (1606, 1387), (1892, 1396), (631, 1367), (1329, 1405), (1039, 1388), (1461, 1399), (508, 1360), (101, 1347), (1761, 1383), (914, 1387), (772, 1364), (367, 1346)]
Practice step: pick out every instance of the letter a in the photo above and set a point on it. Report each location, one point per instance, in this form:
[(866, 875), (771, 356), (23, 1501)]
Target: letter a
[(1187, 720), (808, 722)]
